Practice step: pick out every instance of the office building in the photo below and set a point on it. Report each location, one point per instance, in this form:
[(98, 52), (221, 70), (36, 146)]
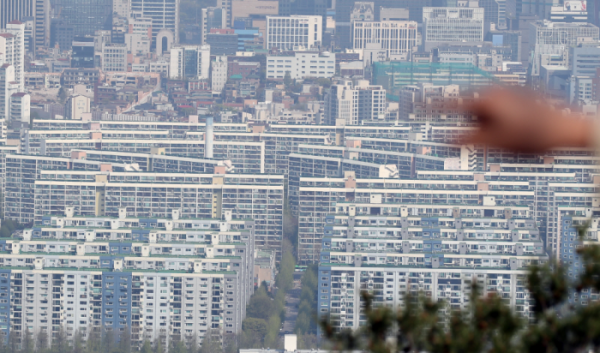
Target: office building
[(39, 10), (452, 25), (345, 8), (570, 11), (394, 75), (114, 57), (222, 42), (291, 32), (61, 34), (190, 62), (585, 59), (76, 106), (85, 17), (353, 104), (237, 9), (551, 41), (212, 17), (393, 37), (122, 7), (593, 10), (301, 65), (11, 10), (82, 55), (305, 8), (42, 23), (164, 15)]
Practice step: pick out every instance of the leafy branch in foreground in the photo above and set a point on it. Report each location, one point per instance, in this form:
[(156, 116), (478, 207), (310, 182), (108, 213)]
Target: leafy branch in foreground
[(487, 324)]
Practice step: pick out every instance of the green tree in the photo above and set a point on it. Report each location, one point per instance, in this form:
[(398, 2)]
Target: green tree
[(210, 344), (231, 343), (254, 331), (287, 80), (191, 342), (124, 345), (62, 95), (28, 343), (78, 342), (41, 341), (158, 346), (260, 305), (94, 341), (59, 342), (177, 347), (146, 347), (487, 324)]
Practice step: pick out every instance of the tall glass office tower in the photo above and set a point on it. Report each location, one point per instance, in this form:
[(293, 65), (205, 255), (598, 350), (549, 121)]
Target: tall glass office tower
[(86, 16)]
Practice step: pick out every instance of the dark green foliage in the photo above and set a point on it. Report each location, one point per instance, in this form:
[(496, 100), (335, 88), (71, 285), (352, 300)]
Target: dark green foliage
[(306, 320), (265, 314), (487, 324), (210, 344), (8, 227)]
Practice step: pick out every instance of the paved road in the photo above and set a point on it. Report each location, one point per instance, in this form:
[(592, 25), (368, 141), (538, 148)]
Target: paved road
[(292, 300)]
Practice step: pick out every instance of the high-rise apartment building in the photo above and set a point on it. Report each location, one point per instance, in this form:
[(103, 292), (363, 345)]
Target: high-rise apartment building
[(12, 45), (392, 251), (448, 25), (164, 15), (218, 73), (393, 37), (190, 62), (20, 108), (354, 104), (118, 273), (7, 88), (289, 32)]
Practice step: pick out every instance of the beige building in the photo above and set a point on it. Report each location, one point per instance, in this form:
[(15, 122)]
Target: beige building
[(76, 106), (245, 8)]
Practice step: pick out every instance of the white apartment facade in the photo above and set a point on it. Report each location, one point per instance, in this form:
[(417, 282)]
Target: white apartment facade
[(218, 73), (8, 86), (443, 25), (301, 65), (289, 32), (20, 107), (353, 104), (190, 61), (12, 46), (394, 37)]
